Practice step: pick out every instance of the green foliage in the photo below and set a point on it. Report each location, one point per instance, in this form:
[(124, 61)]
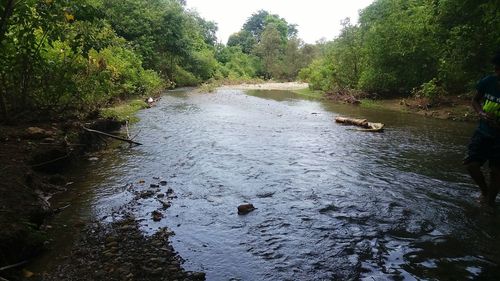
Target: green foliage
[(400, 45), (124, 71), (204, 64), (430, 90), (273, 41), (243, 39), (269, 50), (184, 78), (257, 23), (66, 57), (236, 64), (319, 75)]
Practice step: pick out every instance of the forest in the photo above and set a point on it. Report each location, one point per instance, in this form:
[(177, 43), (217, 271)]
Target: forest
[(331, 202), (63, 58), (402, 47)]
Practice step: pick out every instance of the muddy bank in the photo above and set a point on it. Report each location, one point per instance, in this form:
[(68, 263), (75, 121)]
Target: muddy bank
[(456, 108), (34, 159)]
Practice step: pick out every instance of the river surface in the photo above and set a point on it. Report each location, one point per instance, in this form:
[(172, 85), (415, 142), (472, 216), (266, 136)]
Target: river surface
[(332, 203)]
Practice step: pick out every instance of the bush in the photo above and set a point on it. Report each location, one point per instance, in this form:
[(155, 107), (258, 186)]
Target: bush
[(183, 77), (430, 90), (319, 75)]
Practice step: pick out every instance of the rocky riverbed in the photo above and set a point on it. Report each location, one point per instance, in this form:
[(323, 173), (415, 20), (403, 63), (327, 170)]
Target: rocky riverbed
[(120, 251), (34, 160)]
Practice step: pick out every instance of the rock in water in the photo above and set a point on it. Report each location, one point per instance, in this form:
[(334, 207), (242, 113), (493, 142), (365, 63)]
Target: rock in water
[(244, 209), (157, 216)]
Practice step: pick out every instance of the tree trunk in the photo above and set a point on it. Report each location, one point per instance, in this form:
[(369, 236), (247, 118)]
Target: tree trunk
[(4, 111), (7, 13), (3, 108)]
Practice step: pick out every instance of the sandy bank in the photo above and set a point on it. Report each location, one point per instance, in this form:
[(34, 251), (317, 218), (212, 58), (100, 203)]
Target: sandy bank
[(268, 86)]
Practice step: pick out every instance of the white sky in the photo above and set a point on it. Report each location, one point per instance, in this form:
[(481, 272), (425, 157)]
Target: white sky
[(316, 19)]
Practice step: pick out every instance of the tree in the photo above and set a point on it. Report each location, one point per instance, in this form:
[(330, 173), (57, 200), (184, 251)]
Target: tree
[(346, 56), (6, 10), (269, 49), (208, 30), (244, 39), (400, 47), (469, 32), (72, 57), (256, 24)]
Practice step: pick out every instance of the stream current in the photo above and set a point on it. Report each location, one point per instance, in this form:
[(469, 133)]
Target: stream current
[(332, 203)]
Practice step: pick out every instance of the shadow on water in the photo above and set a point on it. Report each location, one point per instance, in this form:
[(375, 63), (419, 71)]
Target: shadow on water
[(332, 203)]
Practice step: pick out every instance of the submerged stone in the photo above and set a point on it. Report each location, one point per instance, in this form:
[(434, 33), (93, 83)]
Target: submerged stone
[(244, 209)]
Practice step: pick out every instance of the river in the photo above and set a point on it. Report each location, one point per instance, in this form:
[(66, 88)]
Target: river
[(332, 203)]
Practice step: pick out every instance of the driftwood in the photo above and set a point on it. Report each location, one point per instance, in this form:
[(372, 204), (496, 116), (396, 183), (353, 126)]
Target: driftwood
[(363, 123), (111, 136), (352, 121)]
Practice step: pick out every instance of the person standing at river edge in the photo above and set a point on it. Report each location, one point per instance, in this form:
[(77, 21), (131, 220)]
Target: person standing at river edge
[(485, 142)]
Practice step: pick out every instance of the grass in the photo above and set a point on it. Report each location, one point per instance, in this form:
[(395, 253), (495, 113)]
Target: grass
[(369, 103), (125, 111), (313, 94), (209, 87)]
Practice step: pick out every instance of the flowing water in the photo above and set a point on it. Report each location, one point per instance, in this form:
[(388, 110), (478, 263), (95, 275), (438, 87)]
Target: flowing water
[(332, 203)]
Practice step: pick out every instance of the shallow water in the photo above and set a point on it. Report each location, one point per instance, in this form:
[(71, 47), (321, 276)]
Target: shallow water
[(332, 203)]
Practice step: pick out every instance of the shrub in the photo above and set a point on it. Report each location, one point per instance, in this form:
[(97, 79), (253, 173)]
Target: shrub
[(431, 90), (183, 77)]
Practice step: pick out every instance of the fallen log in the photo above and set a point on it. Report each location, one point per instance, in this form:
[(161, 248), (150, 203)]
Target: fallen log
[(352, 121), (111, 136), (366, 126)]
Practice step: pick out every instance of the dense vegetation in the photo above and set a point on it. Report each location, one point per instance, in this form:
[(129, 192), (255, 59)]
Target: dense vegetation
[(424, 47), (63, 57), (274, 45)]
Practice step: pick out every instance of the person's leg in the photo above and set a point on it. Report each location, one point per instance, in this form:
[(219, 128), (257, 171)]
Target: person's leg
[(494, 161), (474, 169), (478, 151), (494, 185)]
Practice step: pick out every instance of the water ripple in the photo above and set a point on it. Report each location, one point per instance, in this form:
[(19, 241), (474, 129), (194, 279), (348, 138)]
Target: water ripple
[(332, 203)]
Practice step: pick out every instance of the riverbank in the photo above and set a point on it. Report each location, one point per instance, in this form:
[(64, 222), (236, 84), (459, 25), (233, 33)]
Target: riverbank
[(285, 86), (120, 251), (35, 160), (455, 108)]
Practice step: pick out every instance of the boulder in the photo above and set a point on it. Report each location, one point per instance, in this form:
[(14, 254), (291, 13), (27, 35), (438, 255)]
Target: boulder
[(244, 209)]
